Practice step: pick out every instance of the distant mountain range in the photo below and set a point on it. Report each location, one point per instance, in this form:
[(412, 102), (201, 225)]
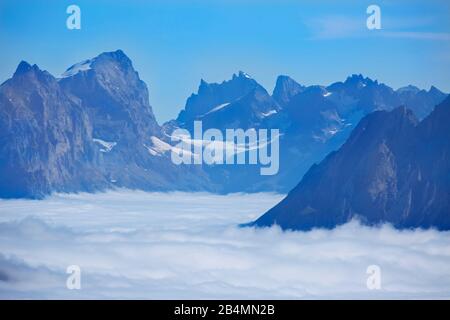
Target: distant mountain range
[(313, 120), (391, 169), (93, 128)]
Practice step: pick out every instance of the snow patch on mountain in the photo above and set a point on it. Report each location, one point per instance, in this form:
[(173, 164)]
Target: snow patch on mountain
[(160, 147), (269, 113), (76, 68), (216, 108), (106, 145), (229, 147)]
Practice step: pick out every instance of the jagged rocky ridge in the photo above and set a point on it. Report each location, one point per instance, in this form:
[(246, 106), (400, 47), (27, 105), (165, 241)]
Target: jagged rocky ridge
[(90, 130), (312, 120)]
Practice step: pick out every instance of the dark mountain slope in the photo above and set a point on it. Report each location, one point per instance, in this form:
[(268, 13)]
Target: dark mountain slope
[(391, 169)]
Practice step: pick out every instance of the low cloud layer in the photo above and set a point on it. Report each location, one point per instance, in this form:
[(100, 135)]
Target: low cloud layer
[(151, 245)]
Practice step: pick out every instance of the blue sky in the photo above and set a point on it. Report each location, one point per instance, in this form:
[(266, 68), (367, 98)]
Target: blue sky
[(175, 43)]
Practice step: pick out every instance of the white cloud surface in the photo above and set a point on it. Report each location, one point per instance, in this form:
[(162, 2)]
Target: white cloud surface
[(132, 244)]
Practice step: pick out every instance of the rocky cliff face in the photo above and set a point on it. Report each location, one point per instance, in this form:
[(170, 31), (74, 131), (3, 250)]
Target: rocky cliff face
[(46, 138), (123, 122), (285, 89), (89, 130), (391, 169)]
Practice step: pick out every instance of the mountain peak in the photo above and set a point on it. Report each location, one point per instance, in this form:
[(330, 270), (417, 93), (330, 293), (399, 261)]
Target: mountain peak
[(241, 74), (380, 124), (355, 77), (284, 78), (118, 55), (433, 89), (24, 67), (213, 95), (381, 174), (358, 81), (203, 83), (408, 88), (104, 58), (285, 89)]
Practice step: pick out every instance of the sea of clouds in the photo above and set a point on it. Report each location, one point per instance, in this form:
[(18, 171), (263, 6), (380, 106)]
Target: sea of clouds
[(133, 244)]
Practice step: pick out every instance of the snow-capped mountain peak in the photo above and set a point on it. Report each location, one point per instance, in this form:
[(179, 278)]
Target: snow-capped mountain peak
[(76, 68)]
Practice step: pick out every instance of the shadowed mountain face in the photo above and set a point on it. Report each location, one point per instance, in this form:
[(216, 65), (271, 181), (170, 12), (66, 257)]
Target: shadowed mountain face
[(391, 169)]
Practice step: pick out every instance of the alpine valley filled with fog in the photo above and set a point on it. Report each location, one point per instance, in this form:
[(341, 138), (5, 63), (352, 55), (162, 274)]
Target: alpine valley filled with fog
[(185, 235), (134, 244), (319, 176)]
